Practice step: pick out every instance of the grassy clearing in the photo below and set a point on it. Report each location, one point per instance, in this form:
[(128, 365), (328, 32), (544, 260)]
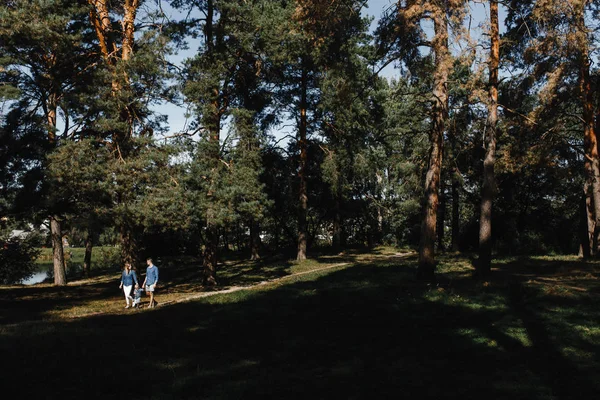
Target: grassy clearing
[(349, 326), (74, 256)]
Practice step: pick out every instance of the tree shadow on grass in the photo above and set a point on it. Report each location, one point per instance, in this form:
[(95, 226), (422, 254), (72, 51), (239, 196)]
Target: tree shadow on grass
[(177, 275), (19, 304), (359, 333)]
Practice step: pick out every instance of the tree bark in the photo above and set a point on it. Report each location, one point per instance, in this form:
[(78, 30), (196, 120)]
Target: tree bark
[(58, 256), (87, 259), (590, 140), (214, 40), (128, 24), (209, 261), (337, 224), (488, 189), (426, 268), (441, 221), (586, 225), (303, 194), (455, 213), (255, 242), (128, 245)]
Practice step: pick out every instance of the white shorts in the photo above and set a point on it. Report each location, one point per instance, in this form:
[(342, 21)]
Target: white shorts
[(150, 288)]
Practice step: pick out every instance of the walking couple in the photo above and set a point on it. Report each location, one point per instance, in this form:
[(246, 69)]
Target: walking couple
[(129, 277)]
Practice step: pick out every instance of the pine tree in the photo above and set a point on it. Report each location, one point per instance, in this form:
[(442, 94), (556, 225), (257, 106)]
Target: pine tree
[(133, 74), (42, 43), (552, 39), (223, 81), (400, 36)]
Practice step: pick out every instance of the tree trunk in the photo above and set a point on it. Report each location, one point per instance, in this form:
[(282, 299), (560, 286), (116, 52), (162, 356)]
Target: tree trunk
[(590, 140), (586, 225), (128, 245), (337, 225), (255, 242), (87, 259), (455, 213), (209, 263), (58, 256), (130, 10), (338, 239), (213, 122), (426, 268), (303, 194), (99, 16), (488, 189), (441, 221)]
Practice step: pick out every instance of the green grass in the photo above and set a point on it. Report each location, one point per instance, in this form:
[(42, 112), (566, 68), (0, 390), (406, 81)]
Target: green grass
[(350, 326)]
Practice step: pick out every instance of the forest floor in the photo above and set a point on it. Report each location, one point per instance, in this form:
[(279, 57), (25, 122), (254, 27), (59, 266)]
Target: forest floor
[(353, 325)]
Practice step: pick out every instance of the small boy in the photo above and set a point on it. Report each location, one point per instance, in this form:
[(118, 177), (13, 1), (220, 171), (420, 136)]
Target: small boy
[(137, 293)]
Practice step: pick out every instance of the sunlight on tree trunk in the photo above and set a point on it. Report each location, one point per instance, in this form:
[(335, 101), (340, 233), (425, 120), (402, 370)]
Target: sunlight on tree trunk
[(426, 269), (488, 189)]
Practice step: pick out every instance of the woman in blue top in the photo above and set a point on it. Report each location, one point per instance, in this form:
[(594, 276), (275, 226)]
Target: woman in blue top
[(128, 277)]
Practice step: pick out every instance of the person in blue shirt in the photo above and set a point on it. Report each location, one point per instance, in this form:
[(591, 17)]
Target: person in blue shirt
[(151, 281), (128, 277)]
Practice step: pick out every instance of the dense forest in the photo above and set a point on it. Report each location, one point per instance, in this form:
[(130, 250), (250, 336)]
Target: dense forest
[(485, 141)]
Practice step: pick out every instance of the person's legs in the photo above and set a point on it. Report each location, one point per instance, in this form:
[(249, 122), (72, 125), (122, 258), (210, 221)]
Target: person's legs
[(127, 291), (151, 300), (150, 291)]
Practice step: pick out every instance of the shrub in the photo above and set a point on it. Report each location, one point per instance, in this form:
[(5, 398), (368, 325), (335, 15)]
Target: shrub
[(17, 259)]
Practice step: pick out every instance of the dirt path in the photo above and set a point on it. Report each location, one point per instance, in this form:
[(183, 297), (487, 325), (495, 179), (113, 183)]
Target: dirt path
[(249, 287), (277, 280)]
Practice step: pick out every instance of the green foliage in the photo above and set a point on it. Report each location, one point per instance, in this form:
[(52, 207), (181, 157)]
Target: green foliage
[(22, 148), (17, 258)]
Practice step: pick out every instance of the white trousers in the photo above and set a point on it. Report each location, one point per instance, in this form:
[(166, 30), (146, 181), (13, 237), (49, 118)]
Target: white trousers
[(127, 291)]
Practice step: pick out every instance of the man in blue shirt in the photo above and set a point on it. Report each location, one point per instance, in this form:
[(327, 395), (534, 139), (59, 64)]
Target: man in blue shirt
[(151, 281)]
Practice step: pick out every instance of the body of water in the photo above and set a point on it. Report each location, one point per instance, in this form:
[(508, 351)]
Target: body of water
[(37, 277)]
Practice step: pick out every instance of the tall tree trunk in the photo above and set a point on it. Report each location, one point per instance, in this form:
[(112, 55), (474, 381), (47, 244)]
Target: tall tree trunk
[(128, 245), (58, 256), (441, 221), (586, 225), (209, 262), (455, 212), (379, 237), (590, 140), (87, 259), (255, 242), (303, 194), (128, 26), (488, 189), (337, 223), (213, 122), (212, 235), (426, 268), (338, 239)]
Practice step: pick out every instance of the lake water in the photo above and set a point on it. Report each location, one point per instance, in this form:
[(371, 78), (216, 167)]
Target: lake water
[(35, 278)]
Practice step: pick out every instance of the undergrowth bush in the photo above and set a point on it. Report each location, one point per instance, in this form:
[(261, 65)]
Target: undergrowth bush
[(17, 258)]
